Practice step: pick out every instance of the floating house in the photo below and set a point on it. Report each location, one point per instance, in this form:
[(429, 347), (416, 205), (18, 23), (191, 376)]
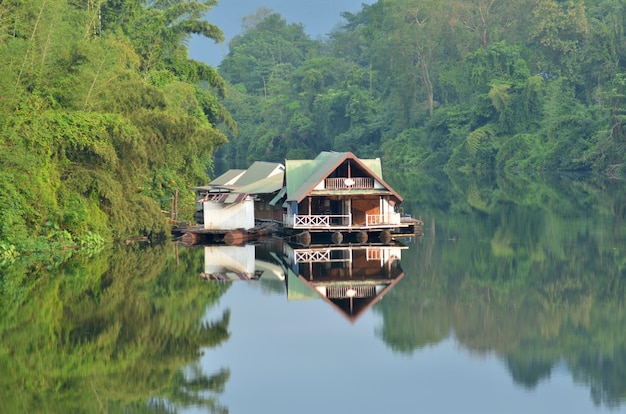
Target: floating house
[(235, 207), (237, 198), (335, 197), (338, 195)]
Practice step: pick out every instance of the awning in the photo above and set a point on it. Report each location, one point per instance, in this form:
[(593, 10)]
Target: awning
[(226, 198), (280, 195)]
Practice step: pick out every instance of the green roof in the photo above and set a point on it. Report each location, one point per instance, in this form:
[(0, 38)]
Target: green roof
[(297, 289), (254, 180), (303, 175), (226, 177), (267, 185), (257, 171)]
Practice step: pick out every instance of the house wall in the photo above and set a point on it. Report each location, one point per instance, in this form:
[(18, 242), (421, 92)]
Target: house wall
[(388, 209), (361, 207), (262, 209), (223, 216)]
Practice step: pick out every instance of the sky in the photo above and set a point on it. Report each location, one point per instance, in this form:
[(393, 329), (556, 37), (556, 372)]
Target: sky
[(318, 17)]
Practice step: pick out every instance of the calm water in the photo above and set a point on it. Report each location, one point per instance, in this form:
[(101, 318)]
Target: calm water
[(512, 302)]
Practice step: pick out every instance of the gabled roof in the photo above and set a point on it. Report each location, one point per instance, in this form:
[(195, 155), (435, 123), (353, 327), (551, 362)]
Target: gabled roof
[(227, 178), (351, 309), (267, 185), (303, 175), (258, 171), (261, 178)]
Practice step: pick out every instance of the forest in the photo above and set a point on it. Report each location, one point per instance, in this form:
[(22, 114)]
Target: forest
[(104, 116), (488, 85)]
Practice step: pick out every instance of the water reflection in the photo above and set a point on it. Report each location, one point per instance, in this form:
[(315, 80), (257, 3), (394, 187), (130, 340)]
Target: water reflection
[(118, 332), (350, 278), (517, 288)]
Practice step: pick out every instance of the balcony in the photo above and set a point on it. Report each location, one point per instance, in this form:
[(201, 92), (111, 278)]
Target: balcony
[(341, 221), (354, 183)]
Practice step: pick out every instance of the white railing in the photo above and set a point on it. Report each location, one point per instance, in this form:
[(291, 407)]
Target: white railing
[(327, 220), (381, 219), (354, 183), (324, 256)]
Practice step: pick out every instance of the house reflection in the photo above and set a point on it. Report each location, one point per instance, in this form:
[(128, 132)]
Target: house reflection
[(222, 262), (350, 278)]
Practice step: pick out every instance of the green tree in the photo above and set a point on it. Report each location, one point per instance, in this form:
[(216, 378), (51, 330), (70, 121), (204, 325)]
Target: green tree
[(92, 102)]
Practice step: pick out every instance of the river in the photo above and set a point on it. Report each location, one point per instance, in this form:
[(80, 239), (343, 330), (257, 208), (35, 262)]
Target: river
[(512, 301)]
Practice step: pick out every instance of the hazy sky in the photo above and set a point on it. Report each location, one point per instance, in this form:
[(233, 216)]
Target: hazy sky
[(318, 17)]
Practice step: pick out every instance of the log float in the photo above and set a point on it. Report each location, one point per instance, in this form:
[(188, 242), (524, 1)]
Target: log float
[(195, 236)]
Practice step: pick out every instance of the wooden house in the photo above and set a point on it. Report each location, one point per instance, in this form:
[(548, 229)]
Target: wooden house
[(338, 195), (234, 208)]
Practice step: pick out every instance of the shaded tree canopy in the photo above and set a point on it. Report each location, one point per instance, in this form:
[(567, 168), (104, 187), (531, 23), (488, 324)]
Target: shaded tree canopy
[(103, 116), (533, 85)]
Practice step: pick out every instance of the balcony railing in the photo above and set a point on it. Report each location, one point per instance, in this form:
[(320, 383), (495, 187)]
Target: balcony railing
[(380, 219), (321, 221), (323, 255), (354, 183), (328, 221), (357, 291)]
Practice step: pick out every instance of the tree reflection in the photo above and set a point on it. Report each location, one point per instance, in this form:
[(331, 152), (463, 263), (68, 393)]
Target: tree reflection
[(110, 333), (530, 268)]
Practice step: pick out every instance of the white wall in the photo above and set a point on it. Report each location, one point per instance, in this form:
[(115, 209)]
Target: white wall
[(222, 216)]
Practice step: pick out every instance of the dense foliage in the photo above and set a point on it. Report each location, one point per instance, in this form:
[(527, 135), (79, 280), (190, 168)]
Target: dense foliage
[(455, 84), (102, 117)]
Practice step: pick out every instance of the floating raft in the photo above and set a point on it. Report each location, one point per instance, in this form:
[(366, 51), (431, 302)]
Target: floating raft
[(415, 228), (199, 235), (412, 227)]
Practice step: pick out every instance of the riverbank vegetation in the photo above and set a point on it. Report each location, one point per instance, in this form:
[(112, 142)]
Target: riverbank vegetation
[(534, 85), (102, 116)]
